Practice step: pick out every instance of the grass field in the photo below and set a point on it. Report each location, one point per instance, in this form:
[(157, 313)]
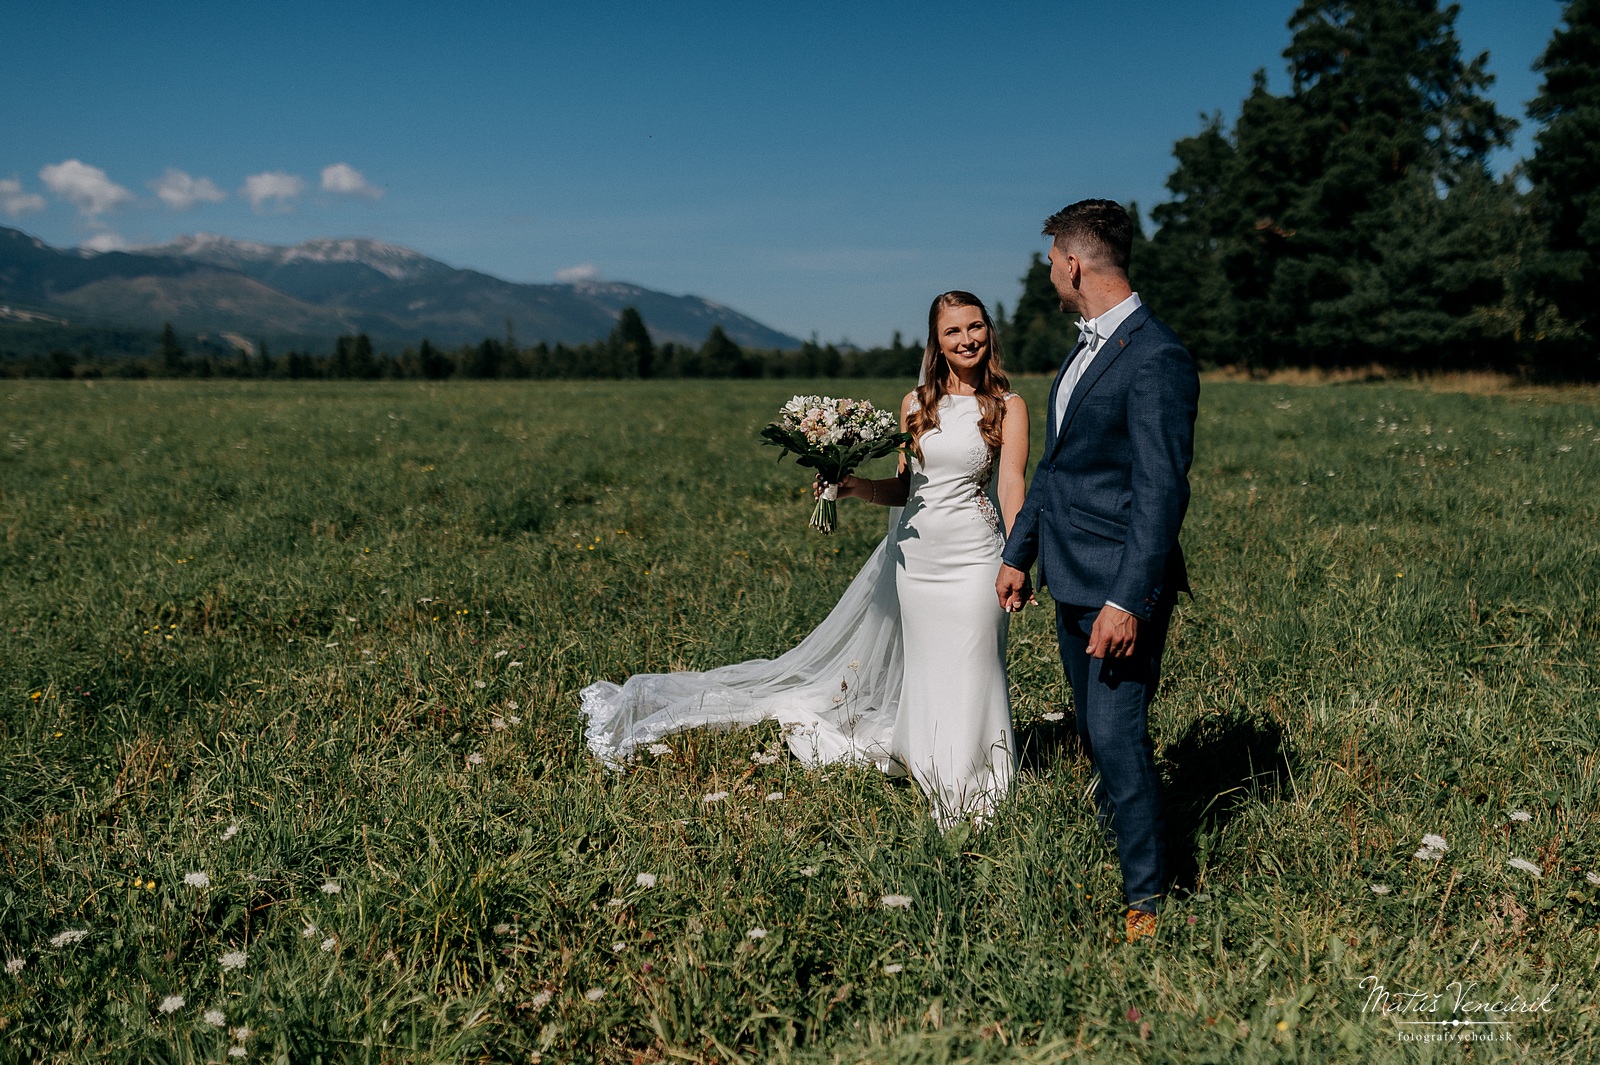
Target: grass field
[(322, 644)]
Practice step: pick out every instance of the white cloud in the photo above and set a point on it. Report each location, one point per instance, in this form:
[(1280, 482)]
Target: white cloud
[(180, 192), (15, 202), (85, 187), (344, 178), (106, 240), (273, 185), (581, 272)]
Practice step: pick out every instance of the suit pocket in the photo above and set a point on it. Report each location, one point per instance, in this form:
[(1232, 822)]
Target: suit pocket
[(1094, 523)]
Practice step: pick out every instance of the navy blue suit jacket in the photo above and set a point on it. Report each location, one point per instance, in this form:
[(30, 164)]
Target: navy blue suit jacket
[(1109, 494)]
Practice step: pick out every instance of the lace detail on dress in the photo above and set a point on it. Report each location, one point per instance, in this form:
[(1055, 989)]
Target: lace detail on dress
[(987, 512)]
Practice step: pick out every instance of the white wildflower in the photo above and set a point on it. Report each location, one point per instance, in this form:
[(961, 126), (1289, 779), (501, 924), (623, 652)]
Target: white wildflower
[(645, 880), (171, 1004), (69, 937), (542, 999), (614, 903), (714, 796), (14, 966), (242, 1033), (1526, 866), (479, 684), (502, 928), (331, 887), (1521, 815), (1432, 849), (660, 749), (215, 1018), (1593, 878), (774, 796), (762, 758), (809, 870), (513, 705), (1054, 715), (896, 902), (475, 758), (893, 967), (595, 994), (757, 933), (501, 654), (497, 723), (330, 943), (308, 932), (516, 663), (855, 665), (618, 947), (1381, 889), (197, 879), (230, 831), (237, 1052), (234, 959), (514, 719)]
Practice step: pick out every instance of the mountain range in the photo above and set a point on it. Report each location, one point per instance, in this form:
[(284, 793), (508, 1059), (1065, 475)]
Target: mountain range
[(310, 293)]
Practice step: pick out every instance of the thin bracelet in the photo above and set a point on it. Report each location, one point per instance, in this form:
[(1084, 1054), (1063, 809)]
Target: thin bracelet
[(873, 498)]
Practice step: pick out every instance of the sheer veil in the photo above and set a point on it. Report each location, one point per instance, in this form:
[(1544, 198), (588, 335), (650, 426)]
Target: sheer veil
[(837, 692)]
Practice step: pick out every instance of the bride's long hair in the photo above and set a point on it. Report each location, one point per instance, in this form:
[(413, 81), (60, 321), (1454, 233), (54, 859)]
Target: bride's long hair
[(933, 386)]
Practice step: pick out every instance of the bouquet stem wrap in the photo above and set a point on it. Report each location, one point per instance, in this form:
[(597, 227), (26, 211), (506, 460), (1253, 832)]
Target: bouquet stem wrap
[(825, 515)]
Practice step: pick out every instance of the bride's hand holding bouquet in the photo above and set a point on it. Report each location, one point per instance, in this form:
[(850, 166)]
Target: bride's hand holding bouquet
[(834, 437)]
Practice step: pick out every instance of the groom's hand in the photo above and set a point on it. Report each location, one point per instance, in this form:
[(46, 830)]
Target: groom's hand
[(1114, 633), (1012, 588)]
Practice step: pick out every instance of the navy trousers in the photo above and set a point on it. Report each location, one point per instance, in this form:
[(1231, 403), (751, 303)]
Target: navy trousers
[(1111, 698)]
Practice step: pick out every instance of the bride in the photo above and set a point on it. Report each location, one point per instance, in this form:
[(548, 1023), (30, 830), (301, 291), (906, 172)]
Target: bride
[(909, 669)]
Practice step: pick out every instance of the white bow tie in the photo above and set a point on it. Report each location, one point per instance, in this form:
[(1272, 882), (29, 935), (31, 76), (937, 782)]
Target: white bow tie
[(1089, 332)]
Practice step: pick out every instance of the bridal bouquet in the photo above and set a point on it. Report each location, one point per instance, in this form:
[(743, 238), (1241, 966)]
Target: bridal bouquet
[(833, 437)]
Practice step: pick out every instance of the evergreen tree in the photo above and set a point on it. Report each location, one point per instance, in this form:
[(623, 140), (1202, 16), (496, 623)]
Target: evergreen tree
[(1566, 196), (1179, 272), (434, 364), (486, 360), (1039, 335), (1299, 237), (632, 351), (721, 357), (173, 361)]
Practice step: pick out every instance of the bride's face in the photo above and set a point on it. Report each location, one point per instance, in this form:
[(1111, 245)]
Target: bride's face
[(963, 337)]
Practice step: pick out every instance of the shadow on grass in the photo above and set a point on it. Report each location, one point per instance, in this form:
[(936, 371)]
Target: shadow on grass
[(1221, 763)]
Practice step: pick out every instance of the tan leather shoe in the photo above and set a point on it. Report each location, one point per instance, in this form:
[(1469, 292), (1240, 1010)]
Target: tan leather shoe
[(1141, 924)]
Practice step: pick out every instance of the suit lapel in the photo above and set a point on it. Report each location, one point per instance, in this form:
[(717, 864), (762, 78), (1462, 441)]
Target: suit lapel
[(1113, 348)]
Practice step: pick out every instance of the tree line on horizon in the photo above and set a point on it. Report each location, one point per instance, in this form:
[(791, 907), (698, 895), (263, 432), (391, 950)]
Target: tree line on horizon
[(1352, 220), (628, 352)]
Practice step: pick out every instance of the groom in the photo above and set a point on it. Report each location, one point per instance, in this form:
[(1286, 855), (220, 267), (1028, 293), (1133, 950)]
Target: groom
[(1102, 518)]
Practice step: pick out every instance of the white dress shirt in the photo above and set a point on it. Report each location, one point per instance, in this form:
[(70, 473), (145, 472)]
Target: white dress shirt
[(1103, 326)]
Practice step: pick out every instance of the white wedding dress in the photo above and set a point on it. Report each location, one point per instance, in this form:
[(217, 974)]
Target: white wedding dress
[(907, 671)]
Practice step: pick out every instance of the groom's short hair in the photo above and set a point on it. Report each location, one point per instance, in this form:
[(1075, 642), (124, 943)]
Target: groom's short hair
[(1100, 227)]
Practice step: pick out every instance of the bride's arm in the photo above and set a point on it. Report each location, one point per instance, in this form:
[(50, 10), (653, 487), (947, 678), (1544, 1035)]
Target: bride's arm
[(890, 491), (1011, 478)]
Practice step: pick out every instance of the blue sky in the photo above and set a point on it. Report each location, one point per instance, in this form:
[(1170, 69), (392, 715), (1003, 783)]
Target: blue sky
[(824, 168)]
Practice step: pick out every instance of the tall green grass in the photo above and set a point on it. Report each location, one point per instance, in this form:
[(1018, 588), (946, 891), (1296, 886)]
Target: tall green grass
[(353, 620)]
